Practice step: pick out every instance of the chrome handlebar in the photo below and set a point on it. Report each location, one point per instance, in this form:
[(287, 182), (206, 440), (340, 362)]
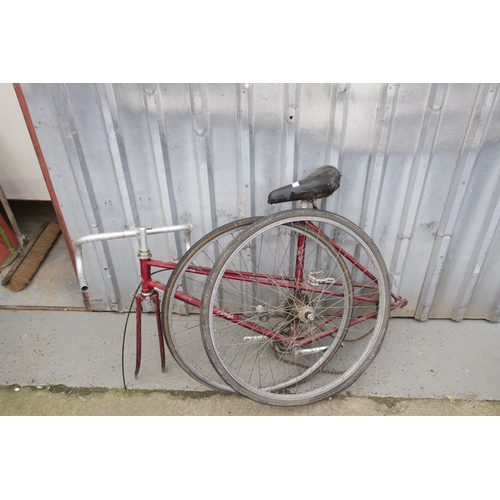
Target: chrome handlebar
[(140, 232)]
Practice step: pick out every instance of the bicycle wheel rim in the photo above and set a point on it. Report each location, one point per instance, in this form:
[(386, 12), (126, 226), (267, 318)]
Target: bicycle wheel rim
[(180, 321), (323, 382)]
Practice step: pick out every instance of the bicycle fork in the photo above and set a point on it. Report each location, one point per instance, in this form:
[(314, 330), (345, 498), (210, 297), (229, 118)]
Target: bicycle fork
[(148, 292), (139, 299)]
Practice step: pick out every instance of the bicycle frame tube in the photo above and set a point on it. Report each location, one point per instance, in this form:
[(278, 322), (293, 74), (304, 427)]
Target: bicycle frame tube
[(295, 283), (299, 261), (402, 302), (147, 283)]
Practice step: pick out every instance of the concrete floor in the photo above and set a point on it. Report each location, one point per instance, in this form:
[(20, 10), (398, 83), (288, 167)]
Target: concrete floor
[(436, 360)]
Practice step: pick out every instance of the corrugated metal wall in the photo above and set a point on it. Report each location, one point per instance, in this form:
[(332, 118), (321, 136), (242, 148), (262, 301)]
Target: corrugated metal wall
[(420, 166)]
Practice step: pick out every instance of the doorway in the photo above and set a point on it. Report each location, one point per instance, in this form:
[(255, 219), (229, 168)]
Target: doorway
[(54, 285)]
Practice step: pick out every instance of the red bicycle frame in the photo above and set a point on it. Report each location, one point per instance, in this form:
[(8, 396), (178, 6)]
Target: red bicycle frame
[(296, 284)]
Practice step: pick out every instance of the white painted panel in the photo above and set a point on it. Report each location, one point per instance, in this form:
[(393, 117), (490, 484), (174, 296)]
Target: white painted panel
[(20, 174)]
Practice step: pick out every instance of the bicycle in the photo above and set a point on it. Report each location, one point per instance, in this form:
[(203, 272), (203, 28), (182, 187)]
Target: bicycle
[(287, 309)]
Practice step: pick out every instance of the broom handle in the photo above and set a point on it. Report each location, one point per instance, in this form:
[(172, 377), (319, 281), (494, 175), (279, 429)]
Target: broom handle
[(11, 217)]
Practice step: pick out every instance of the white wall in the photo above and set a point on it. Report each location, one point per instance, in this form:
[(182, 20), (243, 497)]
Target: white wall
[(20, 174)]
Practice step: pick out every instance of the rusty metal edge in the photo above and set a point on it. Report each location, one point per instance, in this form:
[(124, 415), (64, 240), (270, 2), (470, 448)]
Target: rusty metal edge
[(6, 307), (45, 172)]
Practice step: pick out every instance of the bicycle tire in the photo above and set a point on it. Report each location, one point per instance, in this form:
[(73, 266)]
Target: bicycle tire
[(181, 332), (247, 372)]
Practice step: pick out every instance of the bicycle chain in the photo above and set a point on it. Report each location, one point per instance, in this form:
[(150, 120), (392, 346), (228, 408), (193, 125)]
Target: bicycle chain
[(300, 365)]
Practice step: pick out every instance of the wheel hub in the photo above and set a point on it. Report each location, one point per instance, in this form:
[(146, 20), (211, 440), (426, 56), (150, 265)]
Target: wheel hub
[(306, 314), (299, 308)]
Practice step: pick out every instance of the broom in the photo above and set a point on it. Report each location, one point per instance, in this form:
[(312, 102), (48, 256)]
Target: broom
[(30, 259), (18, 271)]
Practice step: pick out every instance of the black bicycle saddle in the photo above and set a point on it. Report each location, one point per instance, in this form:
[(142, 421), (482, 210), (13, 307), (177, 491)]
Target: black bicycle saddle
[(323, 182)]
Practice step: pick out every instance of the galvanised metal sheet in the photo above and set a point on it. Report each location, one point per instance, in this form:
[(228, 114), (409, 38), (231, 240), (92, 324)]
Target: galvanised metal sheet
[(420, 168)]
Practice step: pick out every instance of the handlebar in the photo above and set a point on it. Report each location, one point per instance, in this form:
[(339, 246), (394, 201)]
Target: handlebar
[(140, 232)]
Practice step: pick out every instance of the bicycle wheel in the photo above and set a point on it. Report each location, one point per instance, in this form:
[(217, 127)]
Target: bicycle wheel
[(339, 298), (180, 305)]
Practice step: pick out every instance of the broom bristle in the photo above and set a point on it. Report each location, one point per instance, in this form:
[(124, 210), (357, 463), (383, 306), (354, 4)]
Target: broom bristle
[(30, 259), (5, 270)]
